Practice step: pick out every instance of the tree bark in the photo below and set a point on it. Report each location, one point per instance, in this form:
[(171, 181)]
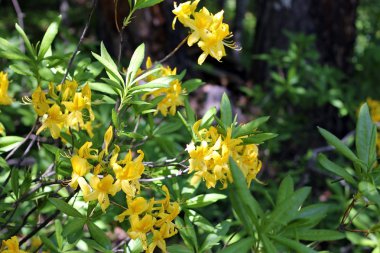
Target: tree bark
[(331, 21)]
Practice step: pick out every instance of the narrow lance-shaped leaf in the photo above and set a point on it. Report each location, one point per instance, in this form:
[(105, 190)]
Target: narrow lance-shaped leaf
[(285, 190), (26, 41), (141, 4), (98, 235), (335, 168), (242, 201), (204, 200), (250, 127), (226, 111), (135, 63), (243, 245), (48, 38), (338, 144), (365, 139), (294, 245), (65, 208)]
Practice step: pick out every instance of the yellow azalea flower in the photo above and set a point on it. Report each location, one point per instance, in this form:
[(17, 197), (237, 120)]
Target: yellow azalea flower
[(167, 230), (11, 246), (128, 175), (135, 207), (183, 11), (54, 121), (5, 99), (108, 138), (39, 101), (75, 107), (209, 160), (207, 30), (88, 127), (200, 25), (139, 228), (171, 100), (80, 168), (86, 91), (85, 151), (101, 189), (212, 44), (68, 89), (52, 91)]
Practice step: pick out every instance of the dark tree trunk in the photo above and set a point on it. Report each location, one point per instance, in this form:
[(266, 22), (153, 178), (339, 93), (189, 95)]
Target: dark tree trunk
[(332, 21)]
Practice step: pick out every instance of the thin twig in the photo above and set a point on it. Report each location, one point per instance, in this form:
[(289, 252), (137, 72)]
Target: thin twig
[(94, 3), (10, 154), (174, 51), (20, 18)]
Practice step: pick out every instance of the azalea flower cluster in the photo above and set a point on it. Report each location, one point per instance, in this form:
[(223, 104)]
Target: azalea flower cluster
[(5, 99), (109, 176), (374, 106), (207, 30), (153, 216), (127, 172), (172, 96), (11, 246), (63, 107), (209, 158)]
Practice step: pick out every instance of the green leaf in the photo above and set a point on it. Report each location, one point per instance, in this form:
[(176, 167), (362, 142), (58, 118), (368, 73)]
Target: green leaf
[(3, 164), (249, 128), (14, 56), (48, 38), (207, 119), (338, 144), (370, 191), (98, 235), (15, 181), (210, 241), (192, 85), (267, 244), (259, 138), (146, 3), (204, 200), (73, 229), (243, 245), (58, 233), (8, 143), (285, 190), (313, 234), (178, 248), (162, 82), (49, 244), (336, 169), (110, 66), (102, 87), (298, 247), (200, 221), (190, 114), (226, 111), (135, 63), (187, 232), (145, 74), (365, 139), (286, 210), (244, 204), (65, 208), (26, 41)]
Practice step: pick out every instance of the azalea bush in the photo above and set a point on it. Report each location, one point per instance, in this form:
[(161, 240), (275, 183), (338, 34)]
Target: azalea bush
[(112, 149)]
